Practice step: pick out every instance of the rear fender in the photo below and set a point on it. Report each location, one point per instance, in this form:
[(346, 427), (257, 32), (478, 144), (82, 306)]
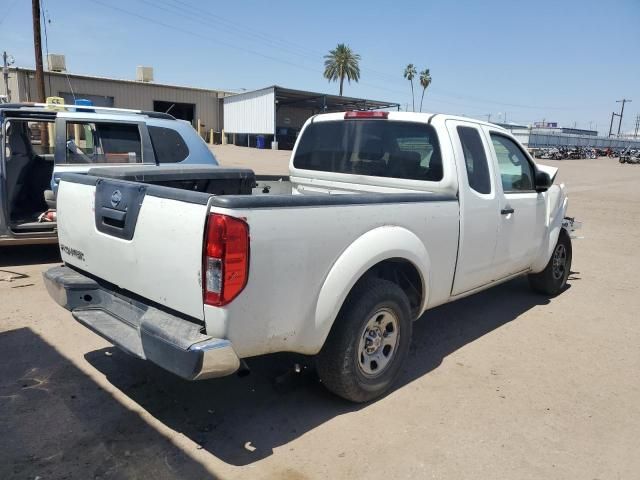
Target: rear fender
[(557, 203), (375, 246)]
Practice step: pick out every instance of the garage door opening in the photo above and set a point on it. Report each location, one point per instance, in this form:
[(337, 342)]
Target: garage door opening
[(182, 111)]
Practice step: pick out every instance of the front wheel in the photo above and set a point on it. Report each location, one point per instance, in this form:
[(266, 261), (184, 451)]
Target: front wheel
[(368, 343), (553, 279)]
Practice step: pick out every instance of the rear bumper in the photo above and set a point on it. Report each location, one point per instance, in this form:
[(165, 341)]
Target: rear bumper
[(171, 342)]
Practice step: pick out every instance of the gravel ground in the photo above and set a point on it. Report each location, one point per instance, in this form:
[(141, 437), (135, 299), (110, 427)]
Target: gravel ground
[(504, 384)]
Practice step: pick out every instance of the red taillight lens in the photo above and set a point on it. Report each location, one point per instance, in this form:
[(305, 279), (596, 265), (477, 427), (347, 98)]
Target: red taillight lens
[(358, 114), (226, 259)]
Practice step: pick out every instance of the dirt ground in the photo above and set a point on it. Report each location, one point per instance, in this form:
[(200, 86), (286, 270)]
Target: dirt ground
[(502, 385)]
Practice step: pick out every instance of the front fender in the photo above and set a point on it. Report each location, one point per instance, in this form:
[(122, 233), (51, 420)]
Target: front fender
[(557, 203), (373, 247)]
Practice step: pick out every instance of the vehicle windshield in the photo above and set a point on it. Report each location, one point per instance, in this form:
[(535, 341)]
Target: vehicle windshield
[(381, 148)]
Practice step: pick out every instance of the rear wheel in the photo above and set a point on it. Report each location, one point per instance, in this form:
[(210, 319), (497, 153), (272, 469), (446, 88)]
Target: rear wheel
[(553, 279), (368, 343)]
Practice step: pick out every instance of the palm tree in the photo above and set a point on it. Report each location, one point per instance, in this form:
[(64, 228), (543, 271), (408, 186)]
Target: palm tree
[(425, 81), (409, 73), (342, 62)]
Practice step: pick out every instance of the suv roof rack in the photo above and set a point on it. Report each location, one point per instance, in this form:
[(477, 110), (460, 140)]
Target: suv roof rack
[(56, 106)]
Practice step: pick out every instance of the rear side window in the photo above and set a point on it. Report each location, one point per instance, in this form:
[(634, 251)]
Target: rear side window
[(475, 159), (168, 145), (380, 148), (103, 142)]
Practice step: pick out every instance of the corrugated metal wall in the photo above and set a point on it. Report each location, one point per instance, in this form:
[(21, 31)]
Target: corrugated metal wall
[(250, 112), (125, 94)]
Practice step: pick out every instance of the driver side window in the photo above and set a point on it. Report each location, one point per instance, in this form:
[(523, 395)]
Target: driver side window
[(515, 170)]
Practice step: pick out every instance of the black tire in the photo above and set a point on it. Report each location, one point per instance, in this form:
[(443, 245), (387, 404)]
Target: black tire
[(553, 279), (340, 365)]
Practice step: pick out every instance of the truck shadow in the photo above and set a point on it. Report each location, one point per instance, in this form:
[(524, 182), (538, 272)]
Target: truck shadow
[(241, 420), (11, 256), (56, 422)]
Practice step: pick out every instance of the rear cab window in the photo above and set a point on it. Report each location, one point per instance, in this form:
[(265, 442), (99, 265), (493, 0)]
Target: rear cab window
[(103, 142), (168, 145), (475, 159), (381, 148)]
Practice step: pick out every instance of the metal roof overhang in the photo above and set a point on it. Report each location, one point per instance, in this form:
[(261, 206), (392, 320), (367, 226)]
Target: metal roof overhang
[(323, 102)]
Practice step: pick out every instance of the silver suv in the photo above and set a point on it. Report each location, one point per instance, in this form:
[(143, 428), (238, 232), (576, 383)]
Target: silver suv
[(41, 142)]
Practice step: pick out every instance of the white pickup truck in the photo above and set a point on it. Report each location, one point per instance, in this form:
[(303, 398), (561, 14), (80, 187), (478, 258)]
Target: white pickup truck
[(384, 216)]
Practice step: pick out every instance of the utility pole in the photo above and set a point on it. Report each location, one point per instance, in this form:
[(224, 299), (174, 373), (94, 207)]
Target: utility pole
[(37, 45), (623, 101), (6, 61), (613, 114)]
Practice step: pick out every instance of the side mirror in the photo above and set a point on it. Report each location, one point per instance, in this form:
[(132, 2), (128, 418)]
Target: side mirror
[(543, 181)]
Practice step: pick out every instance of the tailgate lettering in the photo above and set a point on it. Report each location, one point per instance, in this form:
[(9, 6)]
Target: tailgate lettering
[(72, 252)]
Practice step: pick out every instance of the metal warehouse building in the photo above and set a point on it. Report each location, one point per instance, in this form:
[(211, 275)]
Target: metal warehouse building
[(278, 112), (252, 118), (187, 103)]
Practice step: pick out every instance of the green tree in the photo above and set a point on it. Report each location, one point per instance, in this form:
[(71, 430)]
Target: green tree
[(425, 81), (410, 72), (342, 62)]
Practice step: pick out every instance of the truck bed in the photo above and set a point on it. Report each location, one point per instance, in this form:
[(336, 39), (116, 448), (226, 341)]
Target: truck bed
[(156, 250)]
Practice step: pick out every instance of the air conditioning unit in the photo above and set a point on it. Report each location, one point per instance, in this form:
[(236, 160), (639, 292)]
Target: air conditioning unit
[(56, 63), (144, 74)]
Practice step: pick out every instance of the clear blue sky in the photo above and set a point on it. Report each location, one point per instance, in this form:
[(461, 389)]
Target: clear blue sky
[(562, 60)]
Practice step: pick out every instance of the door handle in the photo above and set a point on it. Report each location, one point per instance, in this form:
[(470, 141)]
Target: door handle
[(507, 211), (113, 218)]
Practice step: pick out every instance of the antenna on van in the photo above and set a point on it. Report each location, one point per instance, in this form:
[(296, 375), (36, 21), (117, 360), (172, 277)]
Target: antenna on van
[(170, 108), (70, 87)]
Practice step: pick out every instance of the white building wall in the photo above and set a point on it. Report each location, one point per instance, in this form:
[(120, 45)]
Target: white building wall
[(250, 112)]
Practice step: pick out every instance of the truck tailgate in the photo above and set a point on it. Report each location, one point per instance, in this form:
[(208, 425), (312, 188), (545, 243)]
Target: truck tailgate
[(142, 238)]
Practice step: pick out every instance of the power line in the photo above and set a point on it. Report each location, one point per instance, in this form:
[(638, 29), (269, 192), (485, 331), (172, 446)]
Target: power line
[(262, 35), (46, 40), (197, 15), (256, 35), (197, 35)]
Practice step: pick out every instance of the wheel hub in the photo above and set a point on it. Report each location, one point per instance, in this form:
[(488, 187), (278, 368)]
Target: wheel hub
[(378, 342), (373, 340), (559, 262)]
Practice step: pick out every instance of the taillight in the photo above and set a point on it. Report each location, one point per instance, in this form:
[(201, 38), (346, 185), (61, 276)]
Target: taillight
[(225, 259), (360, 114)]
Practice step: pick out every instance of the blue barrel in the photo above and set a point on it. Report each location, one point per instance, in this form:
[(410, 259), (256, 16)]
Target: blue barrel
[(260, 141)]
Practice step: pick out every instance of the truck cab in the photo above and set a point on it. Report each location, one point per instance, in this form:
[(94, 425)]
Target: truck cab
[(40, 142)]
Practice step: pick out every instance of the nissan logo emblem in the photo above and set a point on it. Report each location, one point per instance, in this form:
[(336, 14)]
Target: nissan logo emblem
[(116, 198)]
